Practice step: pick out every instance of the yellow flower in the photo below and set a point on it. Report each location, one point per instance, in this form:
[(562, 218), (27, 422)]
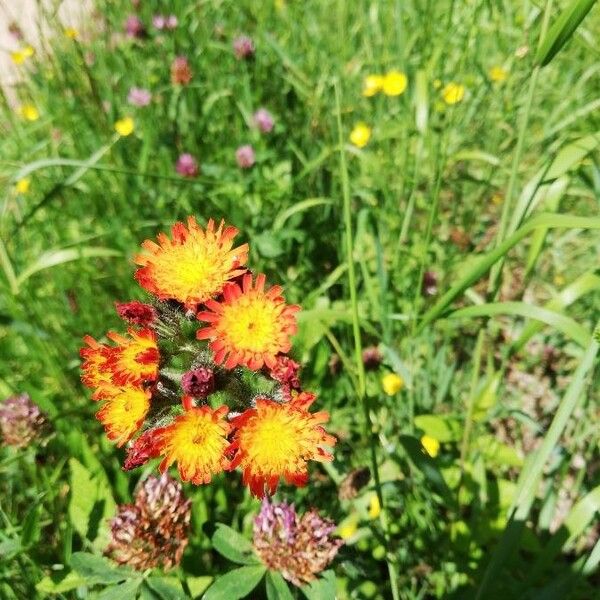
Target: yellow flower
[(374, 507), (498, 74), (431, 445), (394, 83), (28, 51), (29, 112), (348, 528), (360, 135), (125, 126), (453, 93), (20, 56), (71, 33), (22, 186), (392, 384), (372, 85)]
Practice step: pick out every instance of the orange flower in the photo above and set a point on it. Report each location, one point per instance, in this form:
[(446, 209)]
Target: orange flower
[(123, 411), (134, 359), (276, 440), (194, 265), (250, 326), (95, 357), (197, 440)]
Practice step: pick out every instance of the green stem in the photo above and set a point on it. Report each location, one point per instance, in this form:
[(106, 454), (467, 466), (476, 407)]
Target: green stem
[(360, 368)]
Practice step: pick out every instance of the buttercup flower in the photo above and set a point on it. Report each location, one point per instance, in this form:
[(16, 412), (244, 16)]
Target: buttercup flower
[(299, 547), (123, 411), (431, 445), (29, 112), (71, 33), (245, 157), (243, 47), (136, 313), (20, 56), (276, 440), (392, 383), (187, 166), (498, 74), (135, 358), (196, 441), (125, 126), (373, 84), (452, 93), (374, 506), (394, 83), (250, 326), (193, 266), (360, 135), (21, 421), (263, 119), (152, 532), (181, 72), (139, 96), (22, 186)]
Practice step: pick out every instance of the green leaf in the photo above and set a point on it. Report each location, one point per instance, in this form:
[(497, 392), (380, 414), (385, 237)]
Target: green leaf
[(235, 584), (277, 588), (232, 545), (57, 585), (124, 591), (442, 428), (296, 208), (197, 585), (91, 503), (547, 220), (164, 589), (30, 533), (561, 31), (322, 588), (565, 325), (97, 569)]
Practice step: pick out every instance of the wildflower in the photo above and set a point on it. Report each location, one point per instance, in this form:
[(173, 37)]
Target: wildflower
[(371, 357), (187, 166), (353, 483), (276, 440), (431, 445), (15, 30), (285, 370), (20, 56), (197, 441), (161, 22), (360, 135), (263, 119), (139, 96), (141, 450), (429, 285), (125, 126), (394, 83), (29, 112), (373, 84), (299, 547), (374, 506), (250, 326), (134, 28), (22, 185), (348, 528), (152, 532), (123, 412), (452, 93), (193, 266), (95, 369), (135, 358), (136, 313), (199, 382), (181, 72), (498, 74), (392, 383), (71, 33), (245, 156), (21, 421), (243, 47), (171, 22)]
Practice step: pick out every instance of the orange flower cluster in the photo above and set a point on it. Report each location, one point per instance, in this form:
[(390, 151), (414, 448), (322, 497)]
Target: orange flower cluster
[(239, 350)]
